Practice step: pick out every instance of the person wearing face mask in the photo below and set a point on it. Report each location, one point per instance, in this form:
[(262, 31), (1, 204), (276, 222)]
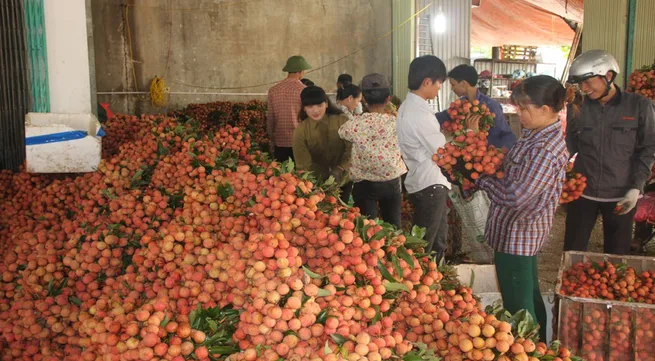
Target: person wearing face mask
[(613, 134), (523, 203), (317, 146), (342, 81), (349, 97)]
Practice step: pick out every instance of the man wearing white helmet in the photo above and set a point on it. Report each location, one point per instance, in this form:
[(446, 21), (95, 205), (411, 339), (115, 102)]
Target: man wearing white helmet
[(613, 134)]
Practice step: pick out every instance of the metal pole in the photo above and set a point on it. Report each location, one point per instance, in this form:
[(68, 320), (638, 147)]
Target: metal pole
[(632, 14)]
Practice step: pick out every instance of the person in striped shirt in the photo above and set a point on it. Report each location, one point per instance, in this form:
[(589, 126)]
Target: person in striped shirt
[(523, 203)]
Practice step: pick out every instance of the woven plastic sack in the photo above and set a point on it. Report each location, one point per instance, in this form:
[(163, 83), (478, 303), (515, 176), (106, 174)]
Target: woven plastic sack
[(473, 213)]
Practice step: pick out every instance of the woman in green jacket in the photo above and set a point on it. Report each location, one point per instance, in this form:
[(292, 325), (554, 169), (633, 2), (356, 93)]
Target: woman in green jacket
[(317, 146)]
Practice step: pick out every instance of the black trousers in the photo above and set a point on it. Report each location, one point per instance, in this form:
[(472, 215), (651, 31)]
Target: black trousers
[(643, 232), (388, 195), (431, 212), (581, 218), (282, 154)]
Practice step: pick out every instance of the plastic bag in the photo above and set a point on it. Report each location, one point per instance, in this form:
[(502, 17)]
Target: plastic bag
[(645, 209), (55, 137), (473, 213)]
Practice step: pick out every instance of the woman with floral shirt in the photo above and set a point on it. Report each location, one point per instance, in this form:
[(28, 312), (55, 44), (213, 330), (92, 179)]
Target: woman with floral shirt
[(376, 164)]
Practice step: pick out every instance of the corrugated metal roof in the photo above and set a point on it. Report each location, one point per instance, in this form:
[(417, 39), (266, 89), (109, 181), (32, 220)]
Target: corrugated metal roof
[(570, 9), (523, 22)]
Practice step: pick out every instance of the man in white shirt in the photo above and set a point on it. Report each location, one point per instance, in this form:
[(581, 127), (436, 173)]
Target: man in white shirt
[(419, 137)]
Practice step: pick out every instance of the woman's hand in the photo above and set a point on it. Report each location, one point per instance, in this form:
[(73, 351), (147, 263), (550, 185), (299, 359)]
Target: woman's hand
[(338, 174), (473, 122)]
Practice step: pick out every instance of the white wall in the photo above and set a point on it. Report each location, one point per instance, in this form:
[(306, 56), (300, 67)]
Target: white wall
[(68, 56)]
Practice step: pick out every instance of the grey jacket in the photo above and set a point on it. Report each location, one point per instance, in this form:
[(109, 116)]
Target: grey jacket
[(615, 143)]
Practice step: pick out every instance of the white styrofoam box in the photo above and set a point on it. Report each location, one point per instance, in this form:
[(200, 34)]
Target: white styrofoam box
[(485, 286), (71, 156), (484, 277)]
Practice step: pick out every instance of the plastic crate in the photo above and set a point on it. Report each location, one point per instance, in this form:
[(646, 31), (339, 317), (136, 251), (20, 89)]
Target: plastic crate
[(571, 334), (604, 330), (644, 341)]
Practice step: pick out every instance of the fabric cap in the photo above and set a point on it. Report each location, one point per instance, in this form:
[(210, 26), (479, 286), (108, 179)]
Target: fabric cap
[(296, 64), (375, 81)]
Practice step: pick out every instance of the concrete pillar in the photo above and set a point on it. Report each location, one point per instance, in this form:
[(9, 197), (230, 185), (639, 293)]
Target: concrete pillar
[(68, 56)]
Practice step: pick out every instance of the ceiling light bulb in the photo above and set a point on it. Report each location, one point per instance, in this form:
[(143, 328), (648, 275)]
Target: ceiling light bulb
[(439, 22)]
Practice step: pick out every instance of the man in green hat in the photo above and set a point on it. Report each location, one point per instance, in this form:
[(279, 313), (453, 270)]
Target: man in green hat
[(283, 108)]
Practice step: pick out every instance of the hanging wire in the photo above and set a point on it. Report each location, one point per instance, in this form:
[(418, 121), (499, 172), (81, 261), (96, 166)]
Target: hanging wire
[(158, 90), (216, 8), (313, 70)]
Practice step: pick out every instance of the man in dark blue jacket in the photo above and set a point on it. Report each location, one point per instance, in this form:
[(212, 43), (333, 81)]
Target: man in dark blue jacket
[(463, 80)]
